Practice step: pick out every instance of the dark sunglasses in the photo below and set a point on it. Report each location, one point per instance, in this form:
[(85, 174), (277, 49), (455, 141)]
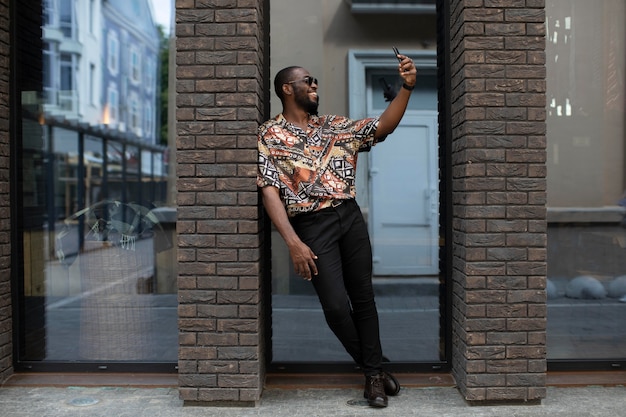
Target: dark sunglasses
[(308, 79)]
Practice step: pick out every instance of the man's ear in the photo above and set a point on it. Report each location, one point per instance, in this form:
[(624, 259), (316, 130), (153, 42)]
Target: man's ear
[(287, 90)]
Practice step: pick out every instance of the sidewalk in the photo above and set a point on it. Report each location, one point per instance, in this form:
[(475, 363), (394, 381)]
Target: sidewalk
[(19, 401)]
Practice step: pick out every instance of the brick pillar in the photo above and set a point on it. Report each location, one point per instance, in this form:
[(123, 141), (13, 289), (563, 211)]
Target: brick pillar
[(6, 347), (220, 88), (497, 112)]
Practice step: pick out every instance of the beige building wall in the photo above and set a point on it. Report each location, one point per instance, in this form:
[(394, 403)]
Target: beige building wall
[(317, 35)]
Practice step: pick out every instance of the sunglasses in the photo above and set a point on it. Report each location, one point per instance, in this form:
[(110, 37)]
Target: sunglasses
[(308, 79)]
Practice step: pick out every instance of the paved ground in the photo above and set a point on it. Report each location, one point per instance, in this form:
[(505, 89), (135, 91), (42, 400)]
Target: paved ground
[(428, 402)]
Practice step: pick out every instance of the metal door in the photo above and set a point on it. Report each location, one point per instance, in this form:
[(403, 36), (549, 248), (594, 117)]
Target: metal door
[(404, 199), (403, 195)]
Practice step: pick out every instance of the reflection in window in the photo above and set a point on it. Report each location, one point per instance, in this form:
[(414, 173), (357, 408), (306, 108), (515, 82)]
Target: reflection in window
[(50, 12), (135, 115), (107, 291), (586, 70), (135, 64), (50, 73), (113, 52), (92, 81), (66, 18), (92, 16), (112, 111), (148, 112), (150, 72), (97, 226), (66, 92)]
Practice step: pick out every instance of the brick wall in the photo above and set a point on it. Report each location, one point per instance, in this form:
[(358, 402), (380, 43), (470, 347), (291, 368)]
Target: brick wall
[(497, 68), (6, 359), (220, 86)]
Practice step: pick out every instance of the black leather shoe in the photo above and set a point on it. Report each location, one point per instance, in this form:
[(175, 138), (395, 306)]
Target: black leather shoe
[(391, 384), (375, 391)]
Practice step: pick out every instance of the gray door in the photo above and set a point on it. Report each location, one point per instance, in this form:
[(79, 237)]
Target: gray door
[(403, 185)]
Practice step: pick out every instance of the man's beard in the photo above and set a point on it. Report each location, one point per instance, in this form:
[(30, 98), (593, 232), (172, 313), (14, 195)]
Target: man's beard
[(310, 106)]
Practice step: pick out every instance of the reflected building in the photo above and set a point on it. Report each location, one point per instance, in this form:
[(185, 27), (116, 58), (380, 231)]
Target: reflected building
[(101, 64), (131, 42), (97, 238)]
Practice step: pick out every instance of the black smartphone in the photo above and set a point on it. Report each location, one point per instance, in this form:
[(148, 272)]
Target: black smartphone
[(395, 51)]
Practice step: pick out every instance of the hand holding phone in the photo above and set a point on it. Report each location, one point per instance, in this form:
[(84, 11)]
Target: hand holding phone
[(395, 50), (408, 75)]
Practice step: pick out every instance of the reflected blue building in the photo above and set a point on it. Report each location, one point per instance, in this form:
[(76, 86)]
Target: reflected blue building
[(101, 64), (130, 45)]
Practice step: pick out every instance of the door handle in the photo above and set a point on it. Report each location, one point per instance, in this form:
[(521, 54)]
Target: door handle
[(427, 206), (430, 204)]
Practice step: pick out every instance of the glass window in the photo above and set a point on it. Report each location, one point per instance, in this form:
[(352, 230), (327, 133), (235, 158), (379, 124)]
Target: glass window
[(98, 223), (113, 52), (92, 81), (67, 91), (134, 122), (135, 64), (586, 70), (50, 12), (92, 16), (150, 72), (93, 170), (148, 111), (66, 18), (67, 72), (50, 73), (112, 111), (387, 81)]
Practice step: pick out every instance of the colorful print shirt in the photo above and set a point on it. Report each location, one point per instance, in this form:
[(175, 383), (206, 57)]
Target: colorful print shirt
[(313, 169)]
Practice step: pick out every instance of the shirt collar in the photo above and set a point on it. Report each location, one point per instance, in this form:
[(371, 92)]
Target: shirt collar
[(313, 120)]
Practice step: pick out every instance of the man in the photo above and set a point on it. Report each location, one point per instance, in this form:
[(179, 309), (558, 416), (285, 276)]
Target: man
[(307, 166)]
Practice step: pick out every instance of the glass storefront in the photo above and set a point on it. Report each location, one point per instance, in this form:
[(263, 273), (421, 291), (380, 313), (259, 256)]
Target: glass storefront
[(586, 67), (96, 213), (97, 218)]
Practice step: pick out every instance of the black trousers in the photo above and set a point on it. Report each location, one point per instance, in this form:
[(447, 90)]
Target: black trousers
[(338, 236)]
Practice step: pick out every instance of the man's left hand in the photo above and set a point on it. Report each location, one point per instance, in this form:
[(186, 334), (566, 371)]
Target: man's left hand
[(407, 70)]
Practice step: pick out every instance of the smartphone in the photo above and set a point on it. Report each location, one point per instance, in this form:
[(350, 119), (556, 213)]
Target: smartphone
[(395, 51)]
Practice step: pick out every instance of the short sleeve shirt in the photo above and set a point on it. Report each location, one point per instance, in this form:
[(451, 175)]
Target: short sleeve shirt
[(315, 167)]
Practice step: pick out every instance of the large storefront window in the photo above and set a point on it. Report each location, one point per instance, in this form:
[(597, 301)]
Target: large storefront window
[(97, 220), (586, 63)]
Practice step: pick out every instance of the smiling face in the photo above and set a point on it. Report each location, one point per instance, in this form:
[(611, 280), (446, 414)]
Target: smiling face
[(305, 90)]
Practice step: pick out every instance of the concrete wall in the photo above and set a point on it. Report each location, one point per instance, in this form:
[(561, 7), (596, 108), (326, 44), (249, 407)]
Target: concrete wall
[(318, 34)]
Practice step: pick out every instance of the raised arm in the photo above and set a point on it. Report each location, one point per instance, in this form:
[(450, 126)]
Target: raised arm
[(392, 115)]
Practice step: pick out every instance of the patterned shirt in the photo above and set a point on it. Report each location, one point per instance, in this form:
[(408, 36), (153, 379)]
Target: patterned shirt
[(313, 169)]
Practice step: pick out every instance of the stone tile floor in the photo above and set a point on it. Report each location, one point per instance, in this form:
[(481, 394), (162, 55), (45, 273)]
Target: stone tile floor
[(19, 401)]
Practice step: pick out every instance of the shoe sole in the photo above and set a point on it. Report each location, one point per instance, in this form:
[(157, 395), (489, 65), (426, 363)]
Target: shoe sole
[(376, 404)]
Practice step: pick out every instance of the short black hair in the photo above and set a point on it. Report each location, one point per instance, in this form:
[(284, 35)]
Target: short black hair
[(283, 77)]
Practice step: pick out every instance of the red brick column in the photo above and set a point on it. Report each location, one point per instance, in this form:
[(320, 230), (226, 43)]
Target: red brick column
[(6, 347), (497, 69), (220, 87)]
